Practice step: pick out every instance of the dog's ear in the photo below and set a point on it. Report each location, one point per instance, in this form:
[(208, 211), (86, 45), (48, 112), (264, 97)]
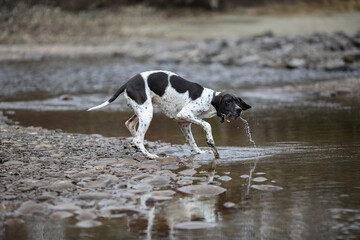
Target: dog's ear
[(244, 106)]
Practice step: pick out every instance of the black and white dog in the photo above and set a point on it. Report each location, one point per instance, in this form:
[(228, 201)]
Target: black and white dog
[(181, 100)]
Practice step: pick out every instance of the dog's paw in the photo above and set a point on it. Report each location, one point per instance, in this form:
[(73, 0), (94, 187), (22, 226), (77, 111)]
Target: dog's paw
[(152, 156)]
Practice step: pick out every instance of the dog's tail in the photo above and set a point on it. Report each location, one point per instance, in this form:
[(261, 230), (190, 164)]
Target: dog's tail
[(118, 92)]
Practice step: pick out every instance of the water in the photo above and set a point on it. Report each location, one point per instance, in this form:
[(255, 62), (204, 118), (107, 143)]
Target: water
[(306, 148), (248, 132)]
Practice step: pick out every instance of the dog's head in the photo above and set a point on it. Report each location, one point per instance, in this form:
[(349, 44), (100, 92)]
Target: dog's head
[(229, 106)]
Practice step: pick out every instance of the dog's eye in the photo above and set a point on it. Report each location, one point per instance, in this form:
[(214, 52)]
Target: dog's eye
[(228, 101)]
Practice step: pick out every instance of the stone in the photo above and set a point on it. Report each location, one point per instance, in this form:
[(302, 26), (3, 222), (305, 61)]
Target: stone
[(267, 187), (60, 215), (229, 205), (194, 225), (94, 196), (188, 172), (225, 178), (202, 190), (68, 207), (88, 224), (30, 207), (158, 181), (259, 179)]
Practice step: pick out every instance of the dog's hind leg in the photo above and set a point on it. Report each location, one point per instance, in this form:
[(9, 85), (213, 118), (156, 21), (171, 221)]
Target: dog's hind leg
[(131, 124), (186, 130), (144, 113)]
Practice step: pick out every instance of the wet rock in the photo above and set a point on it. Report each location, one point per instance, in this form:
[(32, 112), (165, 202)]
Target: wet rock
[(44, 147), (267, 187), (229, 205), (244, 176), (14, 221), (342, 92), (158, 181), (60, 215), (62, 184), (13, 163), (119, 211), (194, 225), (88, 224), (85, 215), (259, 179), (66, 97), (184, 182), (202, 190), (94, 196), (296, 63), (30, 207), (188, 172), (68, 207), (161, 195), (46, 197), (225, 178)]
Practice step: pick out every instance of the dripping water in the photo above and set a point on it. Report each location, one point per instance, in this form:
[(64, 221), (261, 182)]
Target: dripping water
[(251, 140)]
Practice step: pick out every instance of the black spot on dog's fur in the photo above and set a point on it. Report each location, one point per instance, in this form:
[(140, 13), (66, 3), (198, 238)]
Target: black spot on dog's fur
[(181, 86), (135, 89), (158, 82)]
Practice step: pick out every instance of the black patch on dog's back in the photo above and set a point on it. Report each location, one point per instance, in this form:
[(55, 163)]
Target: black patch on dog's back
[(181, 86), (136, 89), (158, 82)]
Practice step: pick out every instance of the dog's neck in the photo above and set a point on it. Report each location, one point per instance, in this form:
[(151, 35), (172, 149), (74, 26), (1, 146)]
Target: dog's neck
[(216, 100)]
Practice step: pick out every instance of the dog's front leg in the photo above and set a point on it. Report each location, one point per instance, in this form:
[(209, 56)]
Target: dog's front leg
[(186, 130), (189, 117)]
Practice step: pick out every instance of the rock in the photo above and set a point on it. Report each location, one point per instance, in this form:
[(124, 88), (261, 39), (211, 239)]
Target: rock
[(13, 163), (185, 182), (45, 197), (85, 215), (296, 63), (62, 184), (94, 196), (44, 147), (202, 190), (267, 187), (158, 181), (30, 207), (66, 97), (88, 224), (188, 172), (259, 179), (342, 92), (194, 225), (229, 205), (68, 207), (335, 64), (244, 176), (225, 178), (60, 215), (161, 195)]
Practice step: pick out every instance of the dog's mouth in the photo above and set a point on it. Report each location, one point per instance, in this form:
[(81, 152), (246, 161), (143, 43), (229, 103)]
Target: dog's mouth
[(232, 116)]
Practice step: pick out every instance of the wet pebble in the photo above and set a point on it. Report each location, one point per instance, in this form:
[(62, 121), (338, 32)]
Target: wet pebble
[(194, 225), (60, 215), (94, 196), (267, 187), (62, 184), (259, 179), (44, 147), (184, 182), (188, 172), (158, 181), (229, 205), (225, 178), (85, 215), (202, 190), (30, 207), (88, 224), (68, 207), (244, 176)]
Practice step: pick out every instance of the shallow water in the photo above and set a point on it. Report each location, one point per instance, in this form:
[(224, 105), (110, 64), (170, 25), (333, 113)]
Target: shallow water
[(308, 151)]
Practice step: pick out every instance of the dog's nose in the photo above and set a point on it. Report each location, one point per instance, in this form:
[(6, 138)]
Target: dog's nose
[(238, 110)]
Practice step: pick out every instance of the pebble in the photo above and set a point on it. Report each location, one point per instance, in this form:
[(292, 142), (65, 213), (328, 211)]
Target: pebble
[(30, 207), (88, 224), (225, 178), (259, 179), (85, 215), (68, 207), (60, 215), (244, 176), (62, 184), (194, 225), (229, 205), (158, 181), (202, 190), (188, 172), (267, 187), (94, 196)]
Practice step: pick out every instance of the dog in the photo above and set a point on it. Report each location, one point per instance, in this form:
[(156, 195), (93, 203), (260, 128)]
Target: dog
[(181, 100)]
